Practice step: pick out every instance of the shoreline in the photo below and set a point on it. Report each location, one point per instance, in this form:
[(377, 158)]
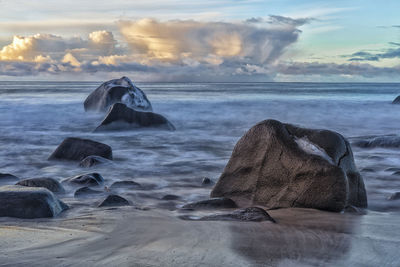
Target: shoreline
[(155, 237)]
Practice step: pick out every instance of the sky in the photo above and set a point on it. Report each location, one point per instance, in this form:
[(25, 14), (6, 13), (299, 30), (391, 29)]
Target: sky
[(201, 41)]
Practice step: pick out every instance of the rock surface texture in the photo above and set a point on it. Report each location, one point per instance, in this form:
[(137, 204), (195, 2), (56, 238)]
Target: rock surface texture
[(122, 117), (279, 165), (77, 149), (29, 202), (117, 91)]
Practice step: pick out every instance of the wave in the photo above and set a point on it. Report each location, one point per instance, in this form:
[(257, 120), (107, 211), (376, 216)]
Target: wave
[(380, 141)]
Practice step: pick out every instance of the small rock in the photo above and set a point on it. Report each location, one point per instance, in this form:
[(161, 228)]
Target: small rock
[(49, 183), (89, 179), (91, 161), (252, 214), (207, 181), (8, 178), (76, 149), (29, 202), (170, 197), (213, 203), (86, 191), (114, 200), (396, 100), (394, 196), (125, 184)]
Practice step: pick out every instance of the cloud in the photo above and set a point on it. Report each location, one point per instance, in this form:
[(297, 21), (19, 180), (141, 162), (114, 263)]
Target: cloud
[(368, 56), (178, 50), (176, 41), (103, 41)]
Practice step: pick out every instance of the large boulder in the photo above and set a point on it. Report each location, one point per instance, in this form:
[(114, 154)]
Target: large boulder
[(49, 183), (29, 202), (279, 165), (77, 149), (121, 117), (115, 91)]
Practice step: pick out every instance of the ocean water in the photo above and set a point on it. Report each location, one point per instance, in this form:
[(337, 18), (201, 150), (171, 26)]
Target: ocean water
[(35, 117)]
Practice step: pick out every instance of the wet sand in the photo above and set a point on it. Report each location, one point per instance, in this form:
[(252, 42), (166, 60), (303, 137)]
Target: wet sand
[(127, 236)]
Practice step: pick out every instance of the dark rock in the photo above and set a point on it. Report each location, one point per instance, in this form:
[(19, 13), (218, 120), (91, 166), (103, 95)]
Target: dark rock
[(394, 196), (279, 165), (396, 100), (115, 91), (91, 161), (89, 179), (29, 202), (77, 149), (120, 117), (207, 181), (125, 184), (8, 178), (114, 200), (49, 183), (170, 197), (252, 214), (86, 191), (213, 203)]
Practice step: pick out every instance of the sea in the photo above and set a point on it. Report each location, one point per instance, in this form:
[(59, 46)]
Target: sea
[(35, 117)]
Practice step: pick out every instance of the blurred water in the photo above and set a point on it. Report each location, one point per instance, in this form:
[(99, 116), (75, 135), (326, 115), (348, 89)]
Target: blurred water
[(210, 117)]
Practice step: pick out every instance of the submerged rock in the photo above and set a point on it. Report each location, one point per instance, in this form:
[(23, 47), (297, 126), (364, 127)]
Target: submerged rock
[(279, 165), (394, 196), (49, 183), (213, 203), (170, 197), (91, 161), (77, 149), (29, 202), (88, 179), (86, 191), (115, 91), (396, 100), (252, 214), (8, 178), (114, 200), (121, 117), (125, 184)]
